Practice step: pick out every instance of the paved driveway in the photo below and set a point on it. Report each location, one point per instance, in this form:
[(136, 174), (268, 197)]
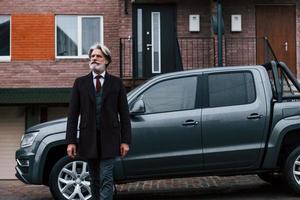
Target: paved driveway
[(204, 188)]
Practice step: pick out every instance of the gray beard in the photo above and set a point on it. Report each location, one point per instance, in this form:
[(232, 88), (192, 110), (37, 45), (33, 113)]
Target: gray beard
[(97, 68)]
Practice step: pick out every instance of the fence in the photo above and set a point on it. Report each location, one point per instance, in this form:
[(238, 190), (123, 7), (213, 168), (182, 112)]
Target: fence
[(126, 60), (199, 52), (196, 52)]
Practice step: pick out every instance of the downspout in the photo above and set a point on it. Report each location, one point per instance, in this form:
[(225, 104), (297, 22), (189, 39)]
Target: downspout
[(220, 32)]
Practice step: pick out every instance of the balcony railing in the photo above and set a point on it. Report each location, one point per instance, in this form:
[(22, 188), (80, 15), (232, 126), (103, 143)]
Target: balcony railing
[(196, 52), (200, 52), (240, 51), (126, 62)]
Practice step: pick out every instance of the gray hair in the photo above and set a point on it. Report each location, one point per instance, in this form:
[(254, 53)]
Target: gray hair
[(103, 49)]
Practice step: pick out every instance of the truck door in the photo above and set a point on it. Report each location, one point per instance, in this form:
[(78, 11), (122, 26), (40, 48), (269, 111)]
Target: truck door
[(166, 138), (234, 119)]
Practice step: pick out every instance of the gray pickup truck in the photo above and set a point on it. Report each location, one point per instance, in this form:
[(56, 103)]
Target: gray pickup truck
[(216, 121)]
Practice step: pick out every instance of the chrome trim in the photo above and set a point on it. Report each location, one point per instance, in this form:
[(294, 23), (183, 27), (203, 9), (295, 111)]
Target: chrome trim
[(19, 163), (20, 176)]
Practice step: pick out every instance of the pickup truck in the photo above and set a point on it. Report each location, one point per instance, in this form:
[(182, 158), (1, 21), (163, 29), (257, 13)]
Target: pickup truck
[(215, 121)]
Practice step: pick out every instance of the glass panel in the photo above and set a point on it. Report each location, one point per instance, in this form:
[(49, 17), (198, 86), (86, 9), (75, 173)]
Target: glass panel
[(4, 35), (231, 89), (140, 42), (156, 63), (67, 30), (171, 95), (90, 33)]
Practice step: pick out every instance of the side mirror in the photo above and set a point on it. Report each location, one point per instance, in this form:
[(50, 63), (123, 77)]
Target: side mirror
[(138, 107)]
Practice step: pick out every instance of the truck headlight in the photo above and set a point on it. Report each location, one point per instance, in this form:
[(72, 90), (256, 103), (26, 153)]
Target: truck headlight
[(28, 138)]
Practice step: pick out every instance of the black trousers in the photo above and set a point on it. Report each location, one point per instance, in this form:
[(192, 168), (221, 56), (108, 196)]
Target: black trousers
[(101, 173)]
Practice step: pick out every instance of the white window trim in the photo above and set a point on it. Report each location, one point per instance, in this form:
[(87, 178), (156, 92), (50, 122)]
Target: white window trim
[(7, 58), (159, 44), (79, 39)]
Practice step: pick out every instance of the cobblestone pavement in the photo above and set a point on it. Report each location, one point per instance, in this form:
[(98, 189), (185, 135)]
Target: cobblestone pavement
[(204, 188)]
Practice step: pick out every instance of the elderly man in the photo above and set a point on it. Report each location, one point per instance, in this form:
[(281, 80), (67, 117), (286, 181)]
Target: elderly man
[(105, 131)]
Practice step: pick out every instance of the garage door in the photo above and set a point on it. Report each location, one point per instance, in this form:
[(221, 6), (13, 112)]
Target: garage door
[(12, 125), (57, 112)]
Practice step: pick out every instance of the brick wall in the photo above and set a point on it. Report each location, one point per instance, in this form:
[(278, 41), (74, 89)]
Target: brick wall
[(194, 52), (28, 40), (239, 48), (241, 52), (40, 69)]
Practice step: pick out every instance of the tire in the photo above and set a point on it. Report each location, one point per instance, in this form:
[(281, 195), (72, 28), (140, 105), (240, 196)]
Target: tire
[(271, 177), (291, 172), (69, 179)]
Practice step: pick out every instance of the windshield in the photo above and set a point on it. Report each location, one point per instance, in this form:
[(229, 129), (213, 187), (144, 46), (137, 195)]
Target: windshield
[(132, 91)]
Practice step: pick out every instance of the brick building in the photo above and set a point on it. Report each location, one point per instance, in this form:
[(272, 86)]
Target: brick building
[(43, 48)]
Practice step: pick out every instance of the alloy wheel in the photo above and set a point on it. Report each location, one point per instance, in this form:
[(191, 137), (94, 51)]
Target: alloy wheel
[(74, 181), (296, 170)]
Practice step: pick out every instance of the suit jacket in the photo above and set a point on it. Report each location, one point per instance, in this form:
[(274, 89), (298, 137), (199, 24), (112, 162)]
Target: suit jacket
[(115, 124)]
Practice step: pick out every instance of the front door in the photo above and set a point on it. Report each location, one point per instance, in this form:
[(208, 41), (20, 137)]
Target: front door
[(155, 40), (278, 24)]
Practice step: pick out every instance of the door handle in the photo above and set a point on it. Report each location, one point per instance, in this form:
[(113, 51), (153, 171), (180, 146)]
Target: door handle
[(148, 45), (285, 46), (254, 116), (190, 122)]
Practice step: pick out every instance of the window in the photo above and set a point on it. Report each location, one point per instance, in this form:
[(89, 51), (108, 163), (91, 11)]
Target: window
[(231, 89), (156, 54), (4, 38), (76, 34), (171, 95)]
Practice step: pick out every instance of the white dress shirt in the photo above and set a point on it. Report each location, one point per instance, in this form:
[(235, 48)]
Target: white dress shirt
[(101, 79)]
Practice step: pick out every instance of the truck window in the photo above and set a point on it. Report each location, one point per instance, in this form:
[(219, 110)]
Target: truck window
[(228, 89), (171, 95)]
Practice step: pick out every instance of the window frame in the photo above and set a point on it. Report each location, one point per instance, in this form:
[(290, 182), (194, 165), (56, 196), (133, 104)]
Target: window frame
[(7, 58), (198, 98), (206, 85), (79, 35)]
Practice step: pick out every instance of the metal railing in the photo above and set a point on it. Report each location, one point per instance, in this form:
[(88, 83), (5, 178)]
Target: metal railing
[(199, 52), (196, 52), (240, 51), (126, 57)]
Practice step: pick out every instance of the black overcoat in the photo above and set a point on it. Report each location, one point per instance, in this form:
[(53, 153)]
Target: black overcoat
[(115, 124)]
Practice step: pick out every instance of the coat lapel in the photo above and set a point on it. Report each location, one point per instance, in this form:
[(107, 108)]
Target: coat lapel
[(90, 87), (106, 85)]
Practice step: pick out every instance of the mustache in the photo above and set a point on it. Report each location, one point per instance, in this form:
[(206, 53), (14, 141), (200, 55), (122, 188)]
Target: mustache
[(95, 62)]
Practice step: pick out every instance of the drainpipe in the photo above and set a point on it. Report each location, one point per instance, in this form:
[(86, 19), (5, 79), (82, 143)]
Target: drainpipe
[(220, 32)]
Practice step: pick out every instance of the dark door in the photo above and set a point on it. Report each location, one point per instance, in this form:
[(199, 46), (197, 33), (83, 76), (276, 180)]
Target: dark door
[(167, 137), (278, 23), (155, 39)]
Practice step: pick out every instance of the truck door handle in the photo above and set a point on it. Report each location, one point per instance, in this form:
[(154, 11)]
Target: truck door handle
[(254, 116), (190, 122)]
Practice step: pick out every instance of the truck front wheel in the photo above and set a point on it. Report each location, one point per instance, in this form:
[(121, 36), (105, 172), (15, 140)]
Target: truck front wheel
[(291, 172), (69, 180)]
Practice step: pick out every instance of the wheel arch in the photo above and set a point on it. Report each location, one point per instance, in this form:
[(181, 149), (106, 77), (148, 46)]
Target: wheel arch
[(52, 148), (283, 134)]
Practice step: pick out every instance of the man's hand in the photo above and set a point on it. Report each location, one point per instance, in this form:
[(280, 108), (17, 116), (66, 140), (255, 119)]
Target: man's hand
[(124, 149), (71, 150)]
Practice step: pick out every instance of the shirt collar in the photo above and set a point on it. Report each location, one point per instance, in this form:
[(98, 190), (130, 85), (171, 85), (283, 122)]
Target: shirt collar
[(102, 74)]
